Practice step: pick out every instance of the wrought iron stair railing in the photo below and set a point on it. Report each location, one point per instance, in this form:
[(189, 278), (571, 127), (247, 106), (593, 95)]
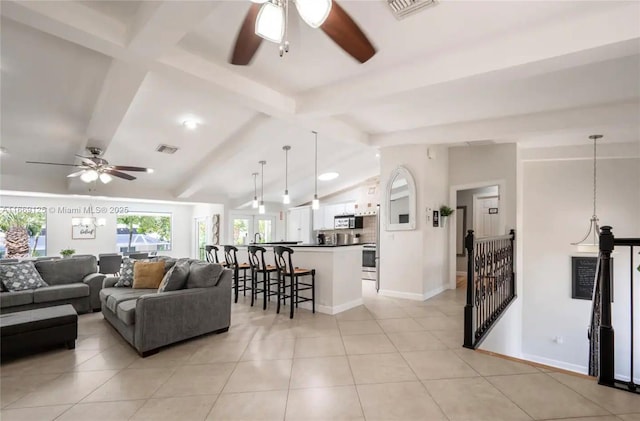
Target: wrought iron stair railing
[(490, 284)]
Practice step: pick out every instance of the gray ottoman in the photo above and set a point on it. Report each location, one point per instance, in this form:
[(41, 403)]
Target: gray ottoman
[(25, 331)]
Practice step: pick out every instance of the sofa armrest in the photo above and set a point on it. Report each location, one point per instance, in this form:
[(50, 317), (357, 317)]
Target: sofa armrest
[(110, 281), (168, 317), (94, 280)]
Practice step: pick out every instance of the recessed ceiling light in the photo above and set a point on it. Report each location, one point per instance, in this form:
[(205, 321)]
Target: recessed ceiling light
[(190, 124), (377, 154), (328, 176)]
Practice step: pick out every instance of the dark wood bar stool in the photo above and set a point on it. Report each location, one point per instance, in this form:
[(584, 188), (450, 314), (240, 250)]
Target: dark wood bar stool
[(287, 272), (231, 258), (211, 254), (259, 267)]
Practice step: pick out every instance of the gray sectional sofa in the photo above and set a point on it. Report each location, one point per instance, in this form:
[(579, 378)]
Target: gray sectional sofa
[(149, 319), (72, 281)]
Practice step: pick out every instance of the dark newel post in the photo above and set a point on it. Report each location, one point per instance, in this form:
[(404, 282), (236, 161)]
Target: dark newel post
[(512, 233), (606, 330), (468, 308)]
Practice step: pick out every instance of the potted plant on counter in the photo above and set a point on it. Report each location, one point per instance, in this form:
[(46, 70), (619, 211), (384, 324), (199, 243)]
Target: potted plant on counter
[(66, 253), (445, 212)]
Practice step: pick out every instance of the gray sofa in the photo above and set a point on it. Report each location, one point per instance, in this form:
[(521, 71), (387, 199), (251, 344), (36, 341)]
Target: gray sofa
[(72, 281), (149, 319)]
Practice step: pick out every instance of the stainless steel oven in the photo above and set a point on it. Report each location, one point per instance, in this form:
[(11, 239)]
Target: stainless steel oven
[(369, 270)]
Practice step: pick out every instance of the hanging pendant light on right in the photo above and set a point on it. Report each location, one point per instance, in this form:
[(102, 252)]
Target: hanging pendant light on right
[(261, 208), (315, 204), (254, 203), (594, 230), (285, 198)]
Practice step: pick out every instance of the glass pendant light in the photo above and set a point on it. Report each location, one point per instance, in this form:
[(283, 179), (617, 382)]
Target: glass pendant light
[(254, 204), (105, 178), (314, 12), (315, 204), (270, 22), (286, 199), (584, 245), (261, 208), (89, 176)]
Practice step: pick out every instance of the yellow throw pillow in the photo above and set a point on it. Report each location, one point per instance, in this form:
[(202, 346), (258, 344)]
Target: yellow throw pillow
[(147, 274)]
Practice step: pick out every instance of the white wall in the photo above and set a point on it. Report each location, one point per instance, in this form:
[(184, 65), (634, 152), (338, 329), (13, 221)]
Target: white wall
[(557, 205), (59, 224), (413, 263)]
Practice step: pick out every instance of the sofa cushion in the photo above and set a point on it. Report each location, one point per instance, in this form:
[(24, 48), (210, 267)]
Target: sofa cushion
[(18, 298), (203, 274), (126, 312), (126, 274), (168, 261), (121, 294), (175, 278), (60, 292), (147, 274), (21, 276), (66, 271)]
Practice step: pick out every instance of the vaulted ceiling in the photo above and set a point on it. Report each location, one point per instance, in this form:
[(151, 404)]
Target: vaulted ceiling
[(123, 75)]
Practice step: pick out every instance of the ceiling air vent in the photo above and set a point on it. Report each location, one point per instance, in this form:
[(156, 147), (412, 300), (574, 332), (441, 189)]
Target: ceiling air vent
[(403, 8), (168, 149)]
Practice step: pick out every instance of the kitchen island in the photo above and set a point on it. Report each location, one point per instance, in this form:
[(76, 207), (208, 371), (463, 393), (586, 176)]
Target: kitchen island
[(338, 273)]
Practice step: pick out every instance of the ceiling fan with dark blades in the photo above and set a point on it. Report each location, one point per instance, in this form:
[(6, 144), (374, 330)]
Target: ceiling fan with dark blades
[(268, 19), (95, 168)]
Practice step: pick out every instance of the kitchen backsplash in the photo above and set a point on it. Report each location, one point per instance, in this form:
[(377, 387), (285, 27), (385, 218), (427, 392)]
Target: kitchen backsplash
[(367, 233)]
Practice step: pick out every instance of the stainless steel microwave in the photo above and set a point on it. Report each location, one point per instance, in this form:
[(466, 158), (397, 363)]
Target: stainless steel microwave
[(348, 222)]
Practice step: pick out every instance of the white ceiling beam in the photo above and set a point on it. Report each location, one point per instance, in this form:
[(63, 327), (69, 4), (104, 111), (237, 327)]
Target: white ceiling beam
[(587, 31), (512, 128), (204, 170), (159, 26)]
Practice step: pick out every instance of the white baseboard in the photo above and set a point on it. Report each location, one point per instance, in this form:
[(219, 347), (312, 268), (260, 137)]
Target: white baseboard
[(399, 294), (432, 293), (555, 363), (333, 310), (411, 295)]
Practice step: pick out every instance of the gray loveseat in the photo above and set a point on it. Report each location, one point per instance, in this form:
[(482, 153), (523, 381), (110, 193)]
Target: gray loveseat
[(149, 319), (72, 281)]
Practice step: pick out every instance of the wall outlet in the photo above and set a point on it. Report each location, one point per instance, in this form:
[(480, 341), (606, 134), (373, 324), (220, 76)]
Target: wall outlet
[(559, 340)]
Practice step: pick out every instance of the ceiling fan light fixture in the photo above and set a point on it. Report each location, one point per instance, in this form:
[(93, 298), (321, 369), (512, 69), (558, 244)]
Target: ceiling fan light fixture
[(314, 12), (89, 176), (270, 22), (105, 178)]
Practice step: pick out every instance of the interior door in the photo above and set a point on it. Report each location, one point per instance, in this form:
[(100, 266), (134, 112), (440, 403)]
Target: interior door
[(486, 216)]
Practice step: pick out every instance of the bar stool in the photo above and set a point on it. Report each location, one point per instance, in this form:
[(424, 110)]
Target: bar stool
[(286, 270), (211, 255), (231, 258), (258, 266)]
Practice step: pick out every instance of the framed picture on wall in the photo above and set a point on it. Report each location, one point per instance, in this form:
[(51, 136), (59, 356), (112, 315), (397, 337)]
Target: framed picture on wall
[(461, 229), (83, 232)]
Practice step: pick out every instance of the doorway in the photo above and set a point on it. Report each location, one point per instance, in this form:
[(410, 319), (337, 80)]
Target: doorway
[(479, 210), (245, 228)]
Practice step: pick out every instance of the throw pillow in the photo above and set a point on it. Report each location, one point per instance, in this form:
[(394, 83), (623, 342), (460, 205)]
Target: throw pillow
[(147, 274), (126, 274), (203, 275), (21, 276), (175, 278)]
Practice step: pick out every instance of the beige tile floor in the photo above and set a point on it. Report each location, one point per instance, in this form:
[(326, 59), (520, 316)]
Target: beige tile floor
[(390, 359)]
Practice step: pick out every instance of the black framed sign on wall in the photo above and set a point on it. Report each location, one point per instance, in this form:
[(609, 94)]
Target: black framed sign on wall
[(583, 276)]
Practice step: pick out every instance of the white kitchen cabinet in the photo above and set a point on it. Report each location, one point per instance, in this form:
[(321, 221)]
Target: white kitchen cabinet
[(299, 224), (319, 222)]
